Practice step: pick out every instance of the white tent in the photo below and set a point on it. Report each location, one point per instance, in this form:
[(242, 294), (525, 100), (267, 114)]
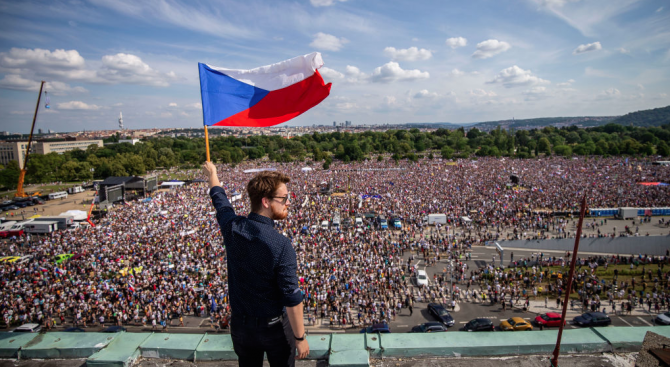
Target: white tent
[(307, 169), (77, 214), (172, 183)]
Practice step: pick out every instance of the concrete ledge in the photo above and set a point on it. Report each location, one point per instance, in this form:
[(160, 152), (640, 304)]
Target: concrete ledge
[(489, 344), (630, 339), (66, 345), (319, 346), (122, 349), (349, 358), (215, 348), (172, 346), (121, 352), (11, 343)]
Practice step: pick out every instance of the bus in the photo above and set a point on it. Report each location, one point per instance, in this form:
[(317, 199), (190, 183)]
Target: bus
[(58, 195)]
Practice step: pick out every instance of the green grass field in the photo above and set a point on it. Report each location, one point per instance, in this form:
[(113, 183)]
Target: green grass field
[(43, 190)]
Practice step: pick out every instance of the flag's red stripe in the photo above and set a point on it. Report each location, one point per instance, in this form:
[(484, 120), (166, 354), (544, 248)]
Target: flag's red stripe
[(283, 104)]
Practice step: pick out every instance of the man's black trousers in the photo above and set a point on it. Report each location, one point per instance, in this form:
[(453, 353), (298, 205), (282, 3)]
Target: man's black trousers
[(251, 338)]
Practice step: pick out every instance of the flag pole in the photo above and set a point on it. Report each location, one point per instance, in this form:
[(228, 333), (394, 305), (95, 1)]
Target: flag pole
[(207, 143), (568, 290)]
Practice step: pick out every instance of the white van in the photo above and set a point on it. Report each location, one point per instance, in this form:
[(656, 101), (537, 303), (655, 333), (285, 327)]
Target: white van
[(421, 278), (28, 328), (58, 195), (324, 224), (75, 190)]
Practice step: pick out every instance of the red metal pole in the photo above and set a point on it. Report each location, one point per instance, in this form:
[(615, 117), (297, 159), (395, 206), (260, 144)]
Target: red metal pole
[(557, 350)]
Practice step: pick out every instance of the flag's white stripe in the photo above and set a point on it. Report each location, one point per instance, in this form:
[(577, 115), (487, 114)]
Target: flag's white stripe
[(279, 75)]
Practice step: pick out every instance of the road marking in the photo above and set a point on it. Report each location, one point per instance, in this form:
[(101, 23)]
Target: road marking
[(463, 322), (626, 322), (645, 321), (403, 325)]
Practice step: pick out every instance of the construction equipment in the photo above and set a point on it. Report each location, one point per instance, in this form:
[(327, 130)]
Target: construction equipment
[(22, 174)]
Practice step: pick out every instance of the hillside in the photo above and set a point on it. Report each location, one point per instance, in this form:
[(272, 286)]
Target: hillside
[(646, 118)]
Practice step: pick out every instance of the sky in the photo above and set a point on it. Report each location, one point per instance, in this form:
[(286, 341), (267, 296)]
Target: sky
[(390, 61)]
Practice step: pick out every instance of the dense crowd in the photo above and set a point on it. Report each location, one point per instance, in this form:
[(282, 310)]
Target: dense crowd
[(151, 262)]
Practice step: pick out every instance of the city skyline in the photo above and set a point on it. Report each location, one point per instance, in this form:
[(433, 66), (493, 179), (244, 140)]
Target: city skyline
[(390, 62)]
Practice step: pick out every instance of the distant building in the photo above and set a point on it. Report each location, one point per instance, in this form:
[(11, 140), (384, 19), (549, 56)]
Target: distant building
[(63, 146), (16, 150), (131, 141)]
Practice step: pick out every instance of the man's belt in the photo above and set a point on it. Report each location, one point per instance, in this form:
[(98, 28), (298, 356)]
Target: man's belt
[(250, 320)]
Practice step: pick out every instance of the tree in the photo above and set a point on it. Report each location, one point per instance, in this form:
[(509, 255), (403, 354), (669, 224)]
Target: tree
[(543, 145), (9, 177), (563, 150), (447, 152)]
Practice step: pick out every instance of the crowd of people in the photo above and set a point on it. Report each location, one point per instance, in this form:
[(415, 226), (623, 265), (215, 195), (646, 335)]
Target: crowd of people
[(151, 262)]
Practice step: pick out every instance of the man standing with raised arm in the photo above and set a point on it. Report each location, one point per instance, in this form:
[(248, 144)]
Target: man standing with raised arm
[(266, 302)]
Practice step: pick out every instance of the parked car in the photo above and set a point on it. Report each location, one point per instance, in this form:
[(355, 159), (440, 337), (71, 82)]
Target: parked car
[(662, 319), (421, 278), (28, 328), (11, 233), (515, 324), (549, 319), (429, 327), (74, 330), (441, 314), (10, 207), (382, 328), (479, 325), (114, 329), (592, 319)]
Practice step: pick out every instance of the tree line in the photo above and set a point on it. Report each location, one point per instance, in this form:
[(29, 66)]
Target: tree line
[(125, 159)]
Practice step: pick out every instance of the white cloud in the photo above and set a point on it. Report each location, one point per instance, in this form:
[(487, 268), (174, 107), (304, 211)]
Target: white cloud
[(424, 93), (346, 106), (482, 93), (610, 93), (566, 84), (70, 66), (17, 82), (588, 17), (586, 48), (391, 72), (355, 75), (22, 58), (409, 54), (203, 18), (490, 48), (535, 93), (127, 68), (516, 77), (623, 50), (456, 72), (328, 42), (329, 73), (640, 87), (195, 106), (456, 42), (659, 10), (589, 71), (172, 104), (77, 105), (318, 3)]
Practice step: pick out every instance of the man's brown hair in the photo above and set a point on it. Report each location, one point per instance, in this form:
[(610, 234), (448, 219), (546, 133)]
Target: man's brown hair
[(264, 185)]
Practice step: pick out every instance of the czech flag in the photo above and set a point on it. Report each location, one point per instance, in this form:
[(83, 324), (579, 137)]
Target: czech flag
[(264, 96)]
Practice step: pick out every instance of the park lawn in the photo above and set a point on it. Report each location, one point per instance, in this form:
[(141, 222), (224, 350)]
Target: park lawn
[(43, 190), (625, 274)]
